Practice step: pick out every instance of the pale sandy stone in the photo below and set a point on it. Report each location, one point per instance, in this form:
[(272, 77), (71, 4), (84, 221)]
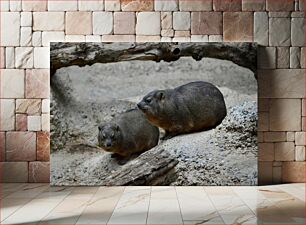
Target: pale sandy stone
[(279, 14), (124, 22), (199, 38), (112, 5), (275, 136), (45, 122), (181, 20), (298, 14), (300, 153), (10, 28), (215, 38), (295, 57), (279, 32), (283, 57), (34, 5), (9, 57), (26, 19), (263, 105), (41, 57), (45, 108), (93, 38), (102, 23), (303, 107), (75, 38), (281, 83), (118, 38), (253, 5), (78, 23), (15, 5), (197, 5), (263, 121), (166, 20), (265, 152), (5, 5), (142, 27), (285, 114), (146, 38), (276, 5), (261, 28), (303, 58), (48, 21), (14, 172), (37, 83), (137, 5), (56, 5), (23, 57), (7, 114), (12, 83), (167, 33), (290, 136), (37, 39), (169, 5), (34, 123), (297, 32), (28, 106), (166, 39), (300, 138), (25, 36), (52, 36), (266, 58), (284, 151), (91, 5), (181, 39)]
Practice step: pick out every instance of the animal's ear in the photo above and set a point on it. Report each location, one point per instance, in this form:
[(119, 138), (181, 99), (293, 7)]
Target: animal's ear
[(160, 95), (117, 128), (100, 127)]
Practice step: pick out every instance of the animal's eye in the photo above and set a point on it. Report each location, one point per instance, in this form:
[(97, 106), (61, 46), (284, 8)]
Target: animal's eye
[(103, 135), (112, 135), (148, 100)]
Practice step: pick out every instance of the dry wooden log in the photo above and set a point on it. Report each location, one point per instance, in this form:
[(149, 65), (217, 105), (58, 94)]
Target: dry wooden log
[(81, 54), (144, 170)]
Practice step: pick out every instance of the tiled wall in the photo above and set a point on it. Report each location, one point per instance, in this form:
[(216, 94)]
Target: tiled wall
[(28, 26)]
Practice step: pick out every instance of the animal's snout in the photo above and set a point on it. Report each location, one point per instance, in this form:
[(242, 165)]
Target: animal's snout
[(108, 144)]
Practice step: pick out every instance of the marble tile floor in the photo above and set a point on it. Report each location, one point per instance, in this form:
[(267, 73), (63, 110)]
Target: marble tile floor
[(42, 204)]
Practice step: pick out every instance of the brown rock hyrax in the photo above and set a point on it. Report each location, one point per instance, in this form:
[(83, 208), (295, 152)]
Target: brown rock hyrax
[(196, 106), (128, 133)]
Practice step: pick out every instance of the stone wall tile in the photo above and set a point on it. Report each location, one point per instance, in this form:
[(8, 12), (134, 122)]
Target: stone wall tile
[(290, 136), (142, 27), (25, 36), (28, 106), (265, 152), (91, 5), (21, 122), (41, 57), (199, 38), (137, 5), (124, 22), (147, 38), (48, 21), (253, 5), (285, 115), (293, 172), (5, 5), (300, 153), (7, 114), (2, 146), (300, 138), (169, 5), (295, 57), (197, 5), (118, 38), (112, 5), (93, 38), (284, 151), (279, 32), (206, 23), (280, 5), (75, 38), (20, 146), (34, 123), (62, 5), (283, 57), (37, 83), (39, 172), (297, 32), (34, 5), (37, 38), (238, 26), (10, 29), (45, 108), (43, 146), (15, 5), (281, 83), (227, 5), (275, 136), (52, 36), (14, 172), (26, 19), (266, 57), (12, 83), (45, 122), (102, 23), (78, 23), (264, 173), (181, 21), (166, 20), (24, 57), (215, 38), (10, 57), (261, 28)]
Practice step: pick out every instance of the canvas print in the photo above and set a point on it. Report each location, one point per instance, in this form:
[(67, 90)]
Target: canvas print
[(153, 114)]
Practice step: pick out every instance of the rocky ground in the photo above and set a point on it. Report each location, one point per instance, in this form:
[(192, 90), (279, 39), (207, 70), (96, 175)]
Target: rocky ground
[(82, 98)]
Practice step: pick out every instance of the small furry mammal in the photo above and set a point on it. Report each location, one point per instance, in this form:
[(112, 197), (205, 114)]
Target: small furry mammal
[(196, 106), (128, 133)]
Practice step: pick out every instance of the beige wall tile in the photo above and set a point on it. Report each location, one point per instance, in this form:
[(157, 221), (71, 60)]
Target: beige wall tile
[(279, 32), (48, 21), (12, 83), (265, 152), (206, 23), (300, 138), (14, 172), (142, 27), (203, 5), (10, 28), (91, 5), (112, 5), (169, 5), (28, 106), (21, 122), (273, 5), (56, 5), (34, 5), (284, 151), (264, 173), (146, 38), (26, 19), (283, 57), (39, 172), (52, 36), (41, 57), (300, 153), (24, 57), (25, 36), (124, 22), (45, 122), (293, 172), (78, 23), (137, 5), (253, 5), (102, 22), (275, 136), (227, 5), (166, 20), (43, 146), (7, 114), (266, 57), (181, 21), (10, 57), (261, 28), (118, 38), (37, 83), (34, 123)]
